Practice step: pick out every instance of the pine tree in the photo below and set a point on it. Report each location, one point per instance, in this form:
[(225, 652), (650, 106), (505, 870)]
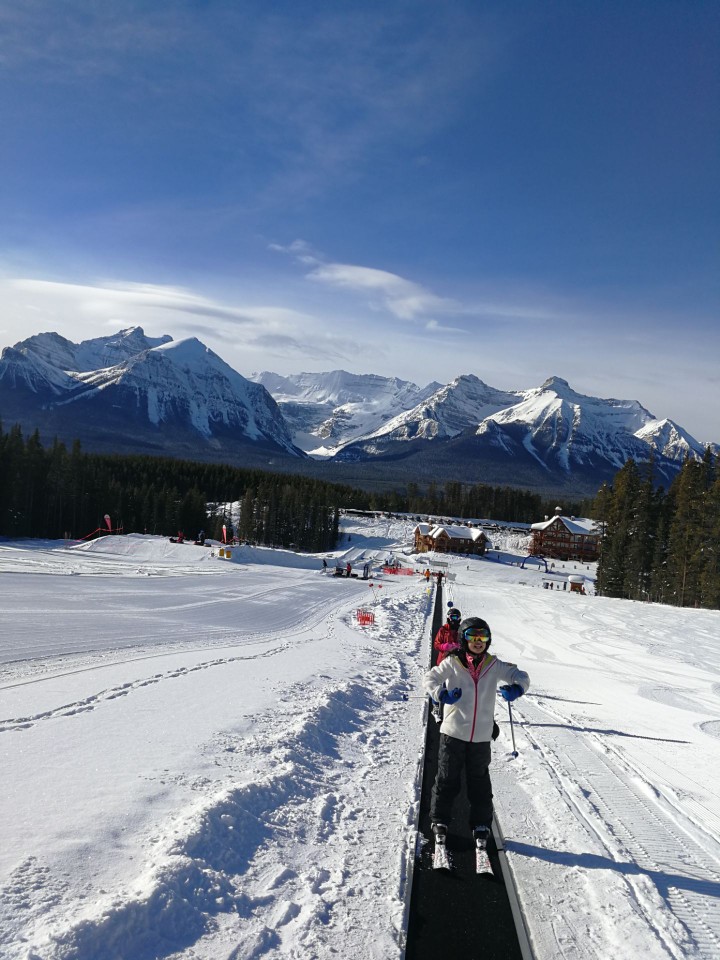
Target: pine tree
[(710, 562), (642, 523), (685, 535), (612, 566)]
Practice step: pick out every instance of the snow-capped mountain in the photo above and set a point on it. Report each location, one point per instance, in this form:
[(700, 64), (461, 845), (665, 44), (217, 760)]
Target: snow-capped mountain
[(129, 391), (548, 436), (551, 428), (445, 414), (326, 411), (670, 440), (132, 393), (556, 425), (61, 354)]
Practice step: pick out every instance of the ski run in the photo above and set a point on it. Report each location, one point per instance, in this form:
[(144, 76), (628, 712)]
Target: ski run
[(213, 759)]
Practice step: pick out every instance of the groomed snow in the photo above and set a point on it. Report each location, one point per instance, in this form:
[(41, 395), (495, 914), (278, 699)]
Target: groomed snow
[(211, 758)]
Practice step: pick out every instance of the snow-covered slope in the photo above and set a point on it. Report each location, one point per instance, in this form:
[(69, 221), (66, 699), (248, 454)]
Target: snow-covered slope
[(206, 759)]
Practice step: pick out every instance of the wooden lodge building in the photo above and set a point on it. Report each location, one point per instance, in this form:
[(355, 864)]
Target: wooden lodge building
[(444, 538), (565, 538)]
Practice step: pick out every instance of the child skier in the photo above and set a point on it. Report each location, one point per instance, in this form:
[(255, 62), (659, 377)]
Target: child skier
[(446, 639), (466, 682)]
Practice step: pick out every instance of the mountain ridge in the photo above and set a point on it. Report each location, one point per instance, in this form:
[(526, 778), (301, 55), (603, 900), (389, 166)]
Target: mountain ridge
[(131, 393), (152, 394)]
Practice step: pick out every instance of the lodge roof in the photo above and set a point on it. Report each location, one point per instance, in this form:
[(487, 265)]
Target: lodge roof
[(580, 526), (452, 531)]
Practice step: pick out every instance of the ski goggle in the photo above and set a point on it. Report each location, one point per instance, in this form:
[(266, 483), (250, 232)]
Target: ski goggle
[(477, 634), (455, 617)]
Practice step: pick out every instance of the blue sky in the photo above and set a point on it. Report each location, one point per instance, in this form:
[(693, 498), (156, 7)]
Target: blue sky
[(411, 188)]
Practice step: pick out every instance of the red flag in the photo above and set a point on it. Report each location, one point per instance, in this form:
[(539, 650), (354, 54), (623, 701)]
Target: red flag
[(107, 521), (224, 534)]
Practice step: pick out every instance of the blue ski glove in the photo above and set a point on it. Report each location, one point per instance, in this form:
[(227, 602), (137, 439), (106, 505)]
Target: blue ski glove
[(450, 696), (512, 692)]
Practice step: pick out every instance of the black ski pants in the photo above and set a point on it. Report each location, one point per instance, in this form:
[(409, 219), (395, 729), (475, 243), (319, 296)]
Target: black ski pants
[(453, 756)]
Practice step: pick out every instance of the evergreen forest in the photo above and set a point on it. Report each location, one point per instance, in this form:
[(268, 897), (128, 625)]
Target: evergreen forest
[(659, 545), (56, 493)]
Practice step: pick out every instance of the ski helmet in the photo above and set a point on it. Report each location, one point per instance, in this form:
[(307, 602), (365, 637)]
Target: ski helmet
[(454, 616), (476, 623)]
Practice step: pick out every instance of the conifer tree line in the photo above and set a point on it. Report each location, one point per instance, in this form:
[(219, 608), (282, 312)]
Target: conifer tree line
[(59, 493), (455, 499), (657, 545), (56, 493)]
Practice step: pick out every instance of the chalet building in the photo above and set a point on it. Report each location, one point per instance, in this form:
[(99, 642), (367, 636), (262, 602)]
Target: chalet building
[(447, 538), (565, 538)]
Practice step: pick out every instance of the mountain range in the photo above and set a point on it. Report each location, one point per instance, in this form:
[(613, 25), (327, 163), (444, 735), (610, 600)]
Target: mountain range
[(132, 393)]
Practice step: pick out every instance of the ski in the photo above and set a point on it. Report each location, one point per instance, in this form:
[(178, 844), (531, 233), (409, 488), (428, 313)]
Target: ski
[(441, 858), (482, 860)]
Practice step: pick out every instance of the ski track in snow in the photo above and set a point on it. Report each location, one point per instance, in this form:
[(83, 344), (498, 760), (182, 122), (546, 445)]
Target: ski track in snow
[(668, 858), (229, 862), (123, 690)]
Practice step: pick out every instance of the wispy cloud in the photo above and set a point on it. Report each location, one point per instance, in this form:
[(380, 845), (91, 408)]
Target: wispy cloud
[(411, 301), (404, 299)]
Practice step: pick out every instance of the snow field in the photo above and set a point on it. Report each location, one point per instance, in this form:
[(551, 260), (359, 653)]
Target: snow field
[(217, 760), (267, 788)]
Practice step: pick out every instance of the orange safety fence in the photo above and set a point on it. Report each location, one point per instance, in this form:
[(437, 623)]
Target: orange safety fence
[(401, 571)]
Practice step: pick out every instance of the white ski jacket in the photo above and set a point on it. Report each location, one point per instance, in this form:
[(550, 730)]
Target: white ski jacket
[(471, 717)]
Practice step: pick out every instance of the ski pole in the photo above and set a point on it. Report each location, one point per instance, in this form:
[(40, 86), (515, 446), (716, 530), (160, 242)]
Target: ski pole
[(512, 730)]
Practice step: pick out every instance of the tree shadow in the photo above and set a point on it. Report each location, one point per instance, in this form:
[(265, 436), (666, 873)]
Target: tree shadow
[(590, 861)]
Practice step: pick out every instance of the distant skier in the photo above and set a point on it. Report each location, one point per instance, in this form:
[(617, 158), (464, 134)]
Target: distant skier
[(466, 682)]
